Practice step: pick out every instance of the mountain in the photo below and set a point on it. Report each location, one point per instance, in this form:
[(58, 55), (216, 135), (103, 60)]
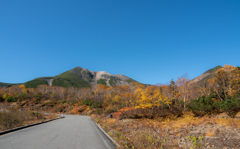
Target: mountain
[(5, 84), (202, 79), (81, 77)]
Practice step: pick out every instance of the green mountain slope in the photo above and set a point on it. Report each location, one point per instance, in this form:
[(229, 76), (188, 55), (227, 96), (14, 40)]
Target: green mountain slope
[(70, 78), (35, 83), (80, 77), (5, 84)]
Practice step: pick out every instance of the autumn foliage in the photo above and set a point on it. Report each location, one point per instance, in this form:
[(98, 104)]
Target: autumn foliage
[(135, 100)]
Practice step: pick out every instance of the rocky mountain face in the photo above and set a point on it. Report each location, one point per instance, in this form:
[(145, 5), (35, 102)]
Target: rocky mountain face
[(81, 77), (206, 75)]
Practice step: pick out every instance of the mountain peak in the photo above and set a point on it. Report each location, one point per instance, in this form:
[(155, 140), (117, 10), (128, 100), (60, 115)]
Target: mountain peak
[(81, 77), (206, 75)]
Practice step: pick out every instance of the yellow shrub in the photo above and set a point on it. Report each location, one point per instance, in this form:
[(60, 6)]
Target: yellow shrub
[(4, 96), (74, 111)]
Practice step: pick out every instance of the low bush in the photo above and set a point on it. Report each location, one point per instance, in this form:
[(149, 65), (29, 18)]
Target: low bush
[(205, 105), (120, 106), (202, 105), (11, 99), (87, 102), (99, 111), (229, 105), (161, 111), (38, 95), (72, 102), (97, 104), (22, 96), (36, 114), (59, 108), (10, 119), (63, 101), (93, 103)]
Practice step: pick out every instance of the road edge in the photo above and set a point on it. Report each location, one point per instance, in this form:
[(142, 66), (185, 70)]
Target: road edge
[(109, 137), (23, 127)]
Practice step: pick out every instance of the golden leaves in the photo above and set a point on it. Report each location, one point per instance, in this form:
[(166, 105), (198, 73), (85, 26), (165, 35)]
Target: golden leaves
[(150, 97)]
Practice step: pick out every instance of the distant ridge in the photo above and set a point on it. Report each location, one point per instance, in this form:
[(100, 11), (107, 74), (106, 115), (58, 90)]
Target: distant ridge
[(81, 77), (5, 84), (202, 79), (78, 77)]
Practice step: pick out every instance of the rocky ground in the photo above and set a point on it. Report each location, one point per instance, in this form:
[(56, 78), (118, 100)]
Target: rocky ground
[(215, 132), (215, 136)]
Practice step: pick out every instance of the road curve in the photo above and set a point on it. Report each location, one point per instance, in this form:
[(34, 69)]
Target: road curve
[(72, 132)]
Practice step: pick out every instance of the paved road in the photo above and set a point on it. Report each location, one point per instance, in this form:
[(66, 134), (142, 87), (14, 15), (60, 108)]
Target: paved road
[(72, 132)]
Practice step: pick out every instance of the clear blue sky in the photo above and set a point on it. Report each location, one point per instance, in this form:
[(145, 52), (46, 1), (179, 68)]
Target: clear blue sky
[(149, 41)]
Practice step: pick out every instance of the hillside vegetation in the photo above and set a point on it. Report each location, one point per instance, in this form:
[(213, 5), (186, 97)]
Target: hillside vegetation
[(71, 78), (181, 114), (35, 83), (78, 78), (6, 84)]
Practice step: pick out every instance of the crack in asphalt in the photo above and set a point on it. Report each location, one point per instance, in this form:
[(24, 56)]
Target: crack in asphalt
[(51, 140)]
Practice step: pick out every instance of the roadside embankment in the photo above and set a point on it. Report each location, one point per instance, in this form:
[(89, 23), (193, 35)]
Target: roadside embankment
[(13, 120)]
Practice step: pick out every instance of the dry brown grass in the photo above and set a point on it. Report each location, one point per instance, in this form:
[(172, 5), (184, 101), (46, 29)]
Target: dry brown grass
[(210, 134), (150, 133), (190, 120), (110, 121), (15, 118), (146, 133), (46, 101), (187, 120), (229, 122), (142, 133)]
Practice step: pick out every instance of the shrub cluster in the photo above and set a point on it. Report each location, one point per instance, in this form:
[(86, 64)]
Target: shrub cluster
[(93, 103), (14, 118), (22, 96), (63, 101), (11, 99), (10, 119), (206, 105)]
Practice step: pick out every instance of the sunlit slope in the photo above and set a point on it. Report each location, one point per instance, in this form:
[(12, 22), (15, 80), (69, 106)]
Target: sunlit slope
[(81, 77), (203, 78)]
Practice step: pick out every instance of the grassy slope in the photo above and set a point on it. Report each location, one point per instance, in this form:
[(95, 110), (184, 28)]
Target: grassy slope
[(5, 84), (131, 80), (35, 83), (70, 78), (66, 79), (102, 81)]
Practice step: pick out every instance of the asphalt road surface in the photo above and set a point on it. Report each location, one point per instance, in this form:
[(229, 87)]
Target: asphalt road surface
[(72, 132)]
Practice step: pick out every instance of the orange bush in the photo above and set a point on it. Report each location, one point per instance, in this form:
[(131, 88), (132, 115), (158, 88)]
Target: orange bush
[(121, 111)]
